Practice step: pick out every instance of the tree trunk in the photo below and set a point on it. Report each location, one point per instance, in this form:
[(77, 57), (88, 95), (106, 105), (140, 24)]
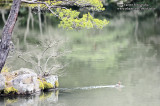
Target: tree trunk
[(3, 16), (27, 27), (40, 21), (7, 32)]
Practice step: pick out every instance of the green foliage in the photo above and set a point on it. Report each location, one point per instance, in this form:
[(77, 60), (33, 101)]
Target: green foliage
[(70, 18)]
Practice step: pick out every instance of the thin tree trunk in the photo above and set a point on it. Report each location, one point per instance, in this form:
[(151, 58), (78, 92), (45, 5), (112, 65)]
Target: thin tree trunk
[(3, 16), (7, 32), (40, 21), (136, 29), (28, 24), (32, 18)]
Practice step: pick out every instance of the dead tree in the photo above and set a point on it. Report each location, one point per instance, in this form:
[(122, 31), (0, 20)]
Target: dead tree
[(46, 60)]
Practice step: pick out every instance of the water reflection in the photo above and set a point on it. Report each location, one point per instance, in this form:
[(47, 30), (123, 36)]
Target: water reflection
[(40, 99)]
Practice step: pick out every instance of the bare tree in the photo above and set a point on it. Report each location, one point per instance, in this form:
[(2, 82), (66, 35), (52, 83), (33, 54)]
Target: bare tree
[(44, 58)]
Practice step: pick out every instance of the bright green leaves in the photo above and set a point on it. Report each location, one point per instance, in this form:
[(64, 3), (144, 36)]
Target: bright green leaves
[(67, 13), (70, 20)]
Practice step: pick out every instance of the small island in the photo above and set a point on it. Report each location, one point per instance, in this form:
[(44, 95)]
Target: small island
[(25, 82)]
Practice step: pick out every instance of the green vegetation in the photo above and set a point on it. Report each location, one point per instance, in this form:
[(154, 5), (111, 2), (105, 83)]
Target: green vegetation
[(5, 69), (70, 19), (43, 84), (87, 21), (47, 85), (10, 90)]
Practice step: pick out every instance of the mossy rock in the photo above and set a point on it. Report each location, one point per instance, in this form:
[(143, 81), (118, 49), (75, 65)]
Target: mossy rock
[(41, 85), (10, 90), (45, 85)]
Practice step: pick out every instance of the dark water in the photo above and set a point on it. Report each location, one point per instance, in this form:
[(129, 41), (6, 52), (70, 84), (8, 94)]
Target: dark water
[(127, 50)]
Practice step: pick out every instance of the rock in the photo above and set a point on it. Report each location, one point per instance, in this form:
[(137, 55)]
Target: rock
[(52, 79), (22, 71), (8, 83), (2, 82), (26, 81), (8, 76)]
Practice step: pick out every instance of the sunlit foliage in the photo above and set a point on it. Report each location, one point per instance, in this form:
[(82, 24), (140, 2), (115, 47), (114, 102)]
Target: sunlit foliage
[(70, 19)]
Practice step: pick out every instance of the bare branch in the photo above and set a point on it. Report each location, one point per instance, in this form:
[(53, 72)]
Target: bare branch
[(30, 2), (64, 4), (19, 56), (49, 8), (50, 45), (58, 67)]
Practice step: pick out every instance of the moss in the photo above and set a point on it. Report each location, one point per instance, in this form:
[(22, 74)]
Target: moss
[(9, 90), (5, 69), (56, 84), (47, 85), (41, 85)]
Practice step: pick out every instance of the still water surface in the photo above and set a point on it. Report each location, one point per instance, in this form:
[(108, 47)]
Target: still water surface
[(141, 81)]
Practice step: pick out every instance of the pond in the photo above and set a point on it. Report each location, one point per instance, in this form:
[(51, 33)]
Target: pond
[(126, 50)]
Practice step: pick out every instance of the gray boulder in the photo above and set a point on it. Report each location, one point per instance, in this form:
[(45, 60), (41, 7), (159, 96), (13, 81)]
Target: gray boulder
[(51, 79), (26, 81)]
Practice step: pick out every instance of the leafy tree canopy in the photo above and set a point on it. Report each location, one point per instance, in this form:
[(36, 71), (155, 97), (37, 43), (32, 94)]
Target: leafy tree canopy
[(70, 19)]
